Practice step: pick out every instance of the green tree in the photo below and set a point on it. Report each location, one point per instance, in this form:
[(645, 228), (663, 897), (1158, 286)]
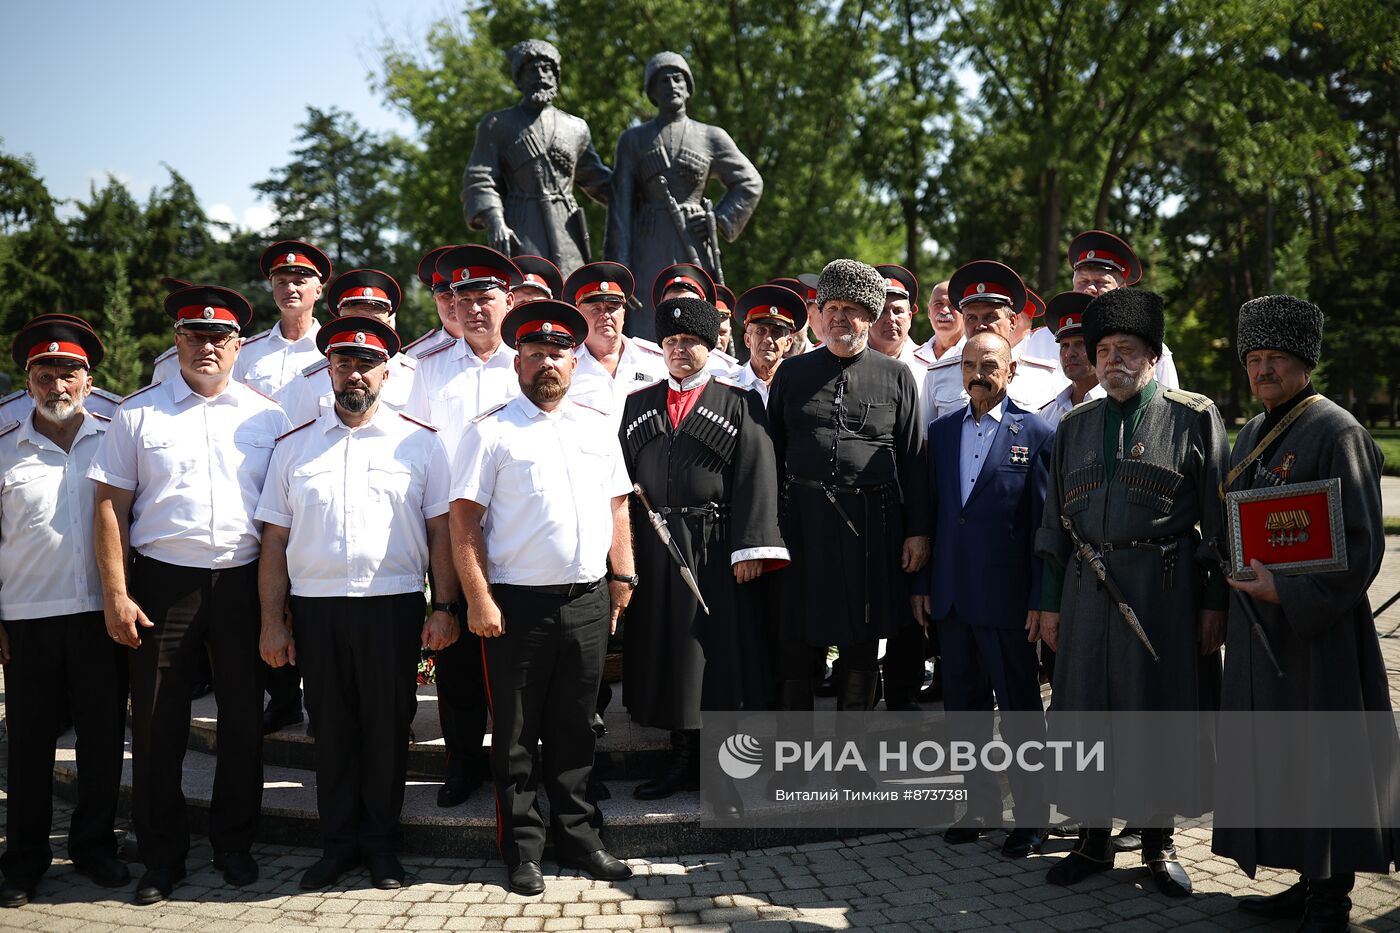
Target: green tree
[(122, 369)]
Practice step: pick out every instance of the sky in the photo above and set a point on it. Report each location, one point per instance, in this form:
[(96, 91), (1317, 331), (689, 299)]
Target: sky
[(212, 88)]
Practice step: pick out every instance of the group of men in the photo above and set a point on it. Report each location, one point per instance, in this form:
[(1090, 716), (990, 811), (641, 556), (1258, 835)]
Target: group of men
[(283, 498)]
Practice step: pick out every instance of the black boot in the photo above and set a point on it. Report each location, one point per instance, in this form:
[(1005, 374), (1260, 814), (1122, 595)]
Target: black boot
[(795, 695), (1092, 854), (683, 772), (1286, 903), (856, 698), (1159, 855), (857, 690), (1328, 908)]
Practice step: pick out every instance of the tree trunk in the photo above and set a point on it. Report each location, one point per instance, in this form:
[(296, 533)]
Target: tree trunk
[(1049, 230)]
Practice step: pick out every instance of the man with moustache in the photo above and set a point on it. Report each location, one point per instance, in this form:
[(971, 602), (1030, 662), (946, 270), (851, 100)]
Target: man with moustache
[(178, 473), (1319, 627), (772, 314), (518, 184), (53, 642), (353, 510), (453, 385), (1065, 321), (1134, 473), (940, 388), (545, 579), (722, 512), (664, 165), (270, 359), (844, 422), (988, 468), (611, 365), (19, 404)]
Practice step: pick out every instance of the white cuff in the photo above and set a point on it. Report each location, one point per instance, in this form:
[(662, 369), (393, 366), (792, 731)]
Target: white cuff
[(760, 553)]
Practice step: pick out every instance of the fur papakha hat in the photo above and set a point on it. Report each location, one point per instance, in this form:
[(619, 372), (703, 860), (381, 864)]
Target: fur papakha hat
[(1280, 322), (854, 281), (1124, 311), (694, 316)]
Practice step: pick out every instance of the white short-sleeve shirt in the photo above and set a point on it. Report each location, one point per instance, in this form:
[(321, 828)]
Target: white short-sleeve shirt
[(309, 395), (547, 481), (640, 364), (452, 385), (357, 502), (48, 566), (268, 361), (196, 466)]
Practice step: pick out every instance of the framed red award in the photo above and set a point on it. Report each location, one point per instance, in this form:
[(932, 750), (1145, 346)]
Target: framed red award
[(1291, 529)]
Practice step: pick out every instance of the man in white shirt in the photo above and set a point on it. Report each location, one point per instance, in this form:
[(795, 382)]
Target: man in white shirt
[(539, 279), (179, 473), (53, 641), (18, 404), (441, 290), (1065, 319), (610, 365), (453, 385), (941, 388), (771, 315), (353, 510), (533, 570), (890, 334)]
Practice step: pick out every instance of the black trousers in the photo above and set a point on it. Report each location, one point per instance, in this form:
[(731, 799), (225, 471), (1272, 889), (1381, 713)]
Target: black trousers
[(195, 610), (62, 663), (462, 708), (359, 662), (982, 663), (542, 679)]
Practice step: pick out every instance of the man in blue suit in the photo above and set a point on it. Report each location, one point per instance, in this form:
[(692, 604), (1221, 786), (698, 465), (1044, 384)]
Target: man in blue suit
[(988, 470)]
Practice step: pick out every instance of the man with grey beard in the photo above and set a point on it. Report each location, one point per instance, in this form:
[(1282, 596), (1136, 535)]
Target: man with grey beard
[(1133, 475), (518, 184), (354, 510), (53, 641)]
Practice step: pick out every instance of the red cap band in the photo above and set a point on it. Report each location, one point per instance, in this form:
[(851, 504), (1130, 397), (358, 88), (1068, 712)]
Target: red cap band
[(685, 280), (357, 340), (1101, 256), (596, 289), (206, 313), (535, 281), (57, 349), (1070, 320), (895, 285), (985, 291), (365, 293), (293, 261), (722, 307), (531, 328), (811, 294), (770, 313), (492, 277)]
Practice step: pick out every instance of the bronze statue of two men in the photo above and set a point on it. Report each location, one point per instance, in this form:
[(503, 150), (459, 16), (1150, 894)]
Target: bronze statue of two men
[(518, 185)]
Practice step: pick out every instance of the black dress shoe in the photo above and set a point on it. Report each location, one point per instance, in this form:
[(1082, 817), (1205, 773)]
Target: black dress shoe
[(156, 884), (965, 830), (1020, 843), (1328, 908), (455, 790), (14, 893), (1290, 902), (527, 879), (275, 719), (1065, 829), (107, 871), (1168, 873), (1127, 840), (1092, 854), (385, 870), (238, 867), (599, 864), (327, 871)]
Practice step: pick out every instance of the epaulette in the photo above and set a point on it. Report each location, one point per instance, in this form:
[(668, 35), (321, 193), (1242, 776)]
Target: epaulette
[(1086, 405), (139, 391), (161, 357), (8, 428), (645, 385), (297, 428), (591, 408), (99, 417), (100, 393), (946, 361), (434, 332), (1192, 400), (262, 393), (437, 349), (257, 336), (1038, 361), (421, 424), (726, 381), (642, 343), (732, 361), (919, 355), (489, 412), (407, 362), (316, 367), (11, 397)]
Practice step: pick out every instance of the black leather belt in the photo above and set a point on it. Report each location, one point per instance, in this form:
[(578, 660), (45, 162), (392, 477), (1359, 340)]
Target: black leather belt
[(709, 508), (838, 490), (558, 590), (1161, 545)]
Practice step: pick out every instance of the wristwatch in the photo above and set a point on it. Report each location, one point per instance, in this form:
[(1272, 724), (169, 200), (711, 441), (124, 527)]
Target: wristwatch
[(631, 581), (445, 607)]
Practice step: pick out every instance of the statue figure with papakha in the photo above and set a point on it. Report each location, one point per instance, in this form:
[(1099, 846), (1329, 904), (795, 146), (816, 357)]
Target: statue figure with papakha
[(658, 214), (518, 184)]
